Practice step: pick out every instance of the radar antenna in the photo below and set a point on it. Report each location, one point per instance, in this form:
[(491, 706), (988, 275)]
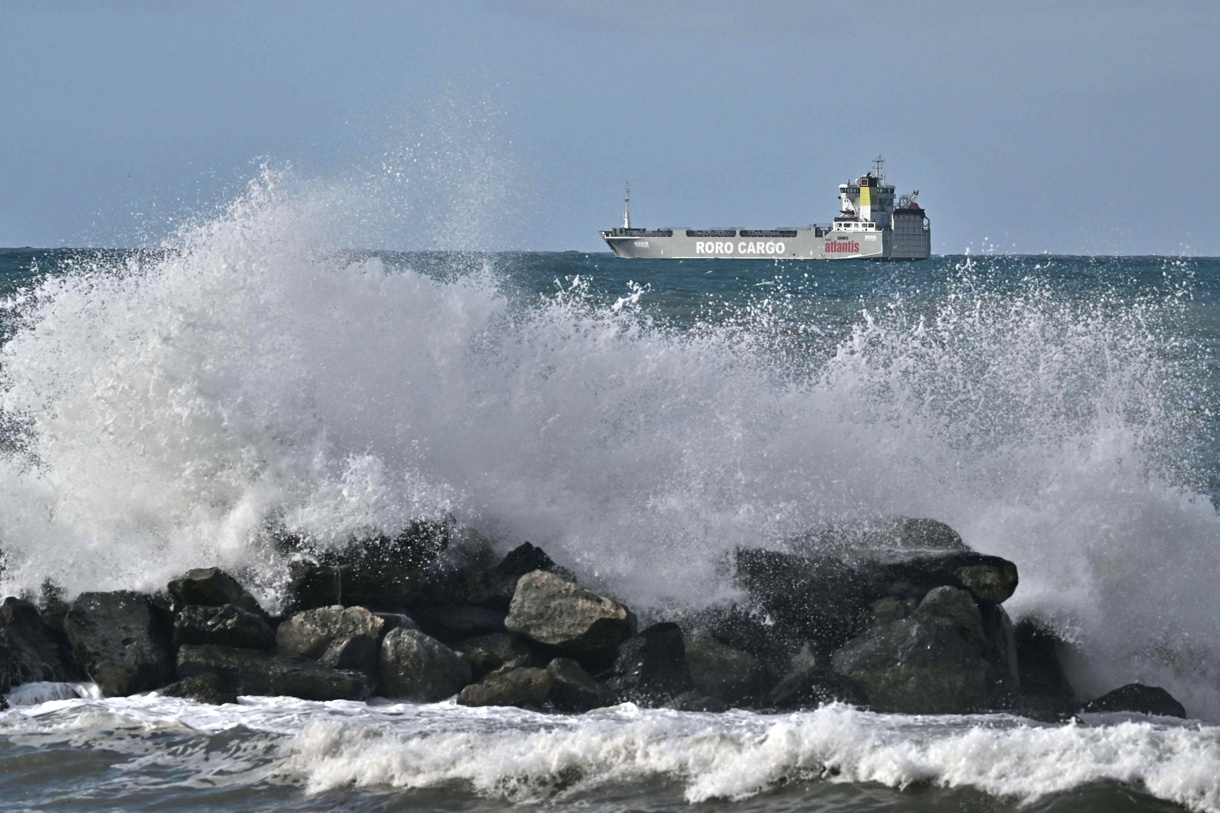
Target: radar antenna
[(878, 163), (627, 206)]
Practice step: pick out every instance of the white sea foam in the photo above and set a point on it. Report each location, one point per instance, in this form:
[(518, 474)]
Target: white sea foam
[(521, 756), (168, 409)]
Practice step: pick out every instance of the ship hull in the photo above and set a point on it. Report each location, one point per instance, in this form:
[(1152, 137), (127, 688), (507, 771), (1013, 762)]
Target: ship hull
[(803, 244)]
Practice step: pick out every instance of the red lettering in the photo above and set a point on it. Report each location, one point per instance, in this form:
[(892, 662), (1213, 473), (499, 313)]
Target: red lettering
[(842, 247)]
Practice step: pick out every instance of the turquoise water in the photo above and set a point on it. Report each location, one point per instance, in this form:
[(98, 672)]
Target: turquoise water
[(636, 419)]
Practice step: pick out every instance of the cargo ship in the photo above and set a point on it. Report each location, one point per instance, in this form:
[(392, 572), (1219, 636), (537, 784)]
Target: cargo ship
[(871, 225)]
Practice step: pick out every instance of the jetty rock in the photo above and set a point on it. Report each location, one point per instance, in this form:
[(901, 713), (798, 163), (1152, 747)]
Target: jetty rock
[(1138, 698), (122, 640), (548, 609)]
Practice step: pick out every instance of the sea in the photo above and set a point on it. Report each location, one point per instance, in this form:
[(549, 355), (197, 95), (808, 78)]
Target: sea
[(167, 407)]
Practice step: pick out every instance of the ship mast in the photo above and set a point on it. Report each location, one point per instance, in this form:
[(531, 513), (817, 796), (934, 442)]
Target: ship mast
[(878, 163), (627, 206)]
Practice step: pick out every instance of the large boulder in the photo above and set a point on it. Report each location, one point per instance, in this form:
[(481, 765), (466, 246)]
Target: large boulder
[(487, 653), (501, 581), (573, 689), (809, 686), (211, 587), (208, 688), (253, 672), (122, 641), (526, 687), (227, 625), (650, 668), (415, 666), (1138, 698), (1045, 691), (724, 674), (35, 651), (311, 632), (551, 610), (311, 584), (924, 664), (827, 598), (387, 572), (451, 623)]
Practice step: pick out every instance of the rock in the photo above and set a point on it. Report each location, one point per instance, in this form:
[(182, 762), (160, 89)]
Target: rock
[(525, 688), (830, 598), (903, 533), (650, 668), (252, 672), (312, 632), (416, 666), (772, 643), (726, 675), (311, 585), (917, 666), (1046, 693), (207, 688), (573, 689), (809, 687), (35, 651), (501, 581), (211, 587), (457, 623), (1000, 652), (1138, 698), (460, 573), (487, 653), (386, 573), (553, 611), (356, 653), (958, 606), (122, 641), (890, 609), (227, 625)]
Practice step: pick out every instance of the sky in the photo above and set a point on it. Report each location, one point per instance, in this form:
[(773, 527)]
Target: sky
[(1086, 127)]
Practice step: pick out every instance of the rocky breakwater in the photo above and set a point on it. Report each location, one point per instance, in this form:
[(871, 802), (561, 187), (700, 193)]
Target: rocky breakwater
[(902, 618)]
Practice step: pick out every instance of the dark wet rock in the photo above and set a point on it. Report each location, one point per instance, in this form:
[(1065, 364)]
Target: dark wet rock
[(52, 606), (416, 666), (395, 620), (457, 623), (726, 675), (917, 666), (1045, 690), (824, 600), (890, 609), (807, 687), (1138, 698), (753, 631), (573, 689), (122, 641), (211, 587), (694, 700), (899, 534), (460, 573), (650, 668), (227, 625), (354, 652), (829, 599), (386, 572), (957, 606), (553, 611), (33, 650), (487, 653), (1000, 652), (501, 581), (311, 585), (522, 687), (253, 672), (207, 688), (311, 632)]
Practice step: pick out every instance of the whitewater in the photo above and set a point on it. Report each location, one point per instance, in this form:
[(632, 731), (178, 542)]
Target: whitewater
[(177, 407)]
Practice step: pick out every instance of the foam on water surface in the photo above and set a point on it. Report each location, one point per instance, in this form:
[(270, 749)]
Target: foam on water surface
[(523, 757)]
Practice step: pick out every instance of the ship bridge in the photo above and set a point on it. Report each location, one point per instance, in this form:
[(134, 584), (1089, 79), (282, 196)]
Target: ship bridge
[(866, 203)]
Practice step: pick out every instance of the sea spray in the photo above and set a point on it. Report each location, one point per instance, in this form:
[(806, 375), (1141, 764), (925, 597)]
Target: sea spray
[(167, 408)]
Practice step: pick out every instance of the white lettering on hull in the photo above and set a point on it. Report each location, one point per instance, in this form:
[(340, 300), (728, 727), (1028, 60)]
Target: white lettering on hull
[(744, 248)]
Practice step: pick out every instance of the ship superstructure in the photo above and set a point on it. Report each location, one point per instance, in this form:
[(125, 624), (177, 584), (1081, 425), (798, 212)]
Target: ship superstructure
[(871, 225)]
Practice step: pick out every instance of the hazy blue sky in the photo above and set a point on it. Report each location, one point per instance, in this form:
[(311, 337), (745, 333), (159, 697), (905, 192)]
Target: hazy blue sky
[(1072, 127)]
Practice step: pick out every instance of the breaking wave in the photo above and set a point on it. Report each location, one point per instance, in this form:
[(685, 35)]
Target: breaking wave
[(165, 410)]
